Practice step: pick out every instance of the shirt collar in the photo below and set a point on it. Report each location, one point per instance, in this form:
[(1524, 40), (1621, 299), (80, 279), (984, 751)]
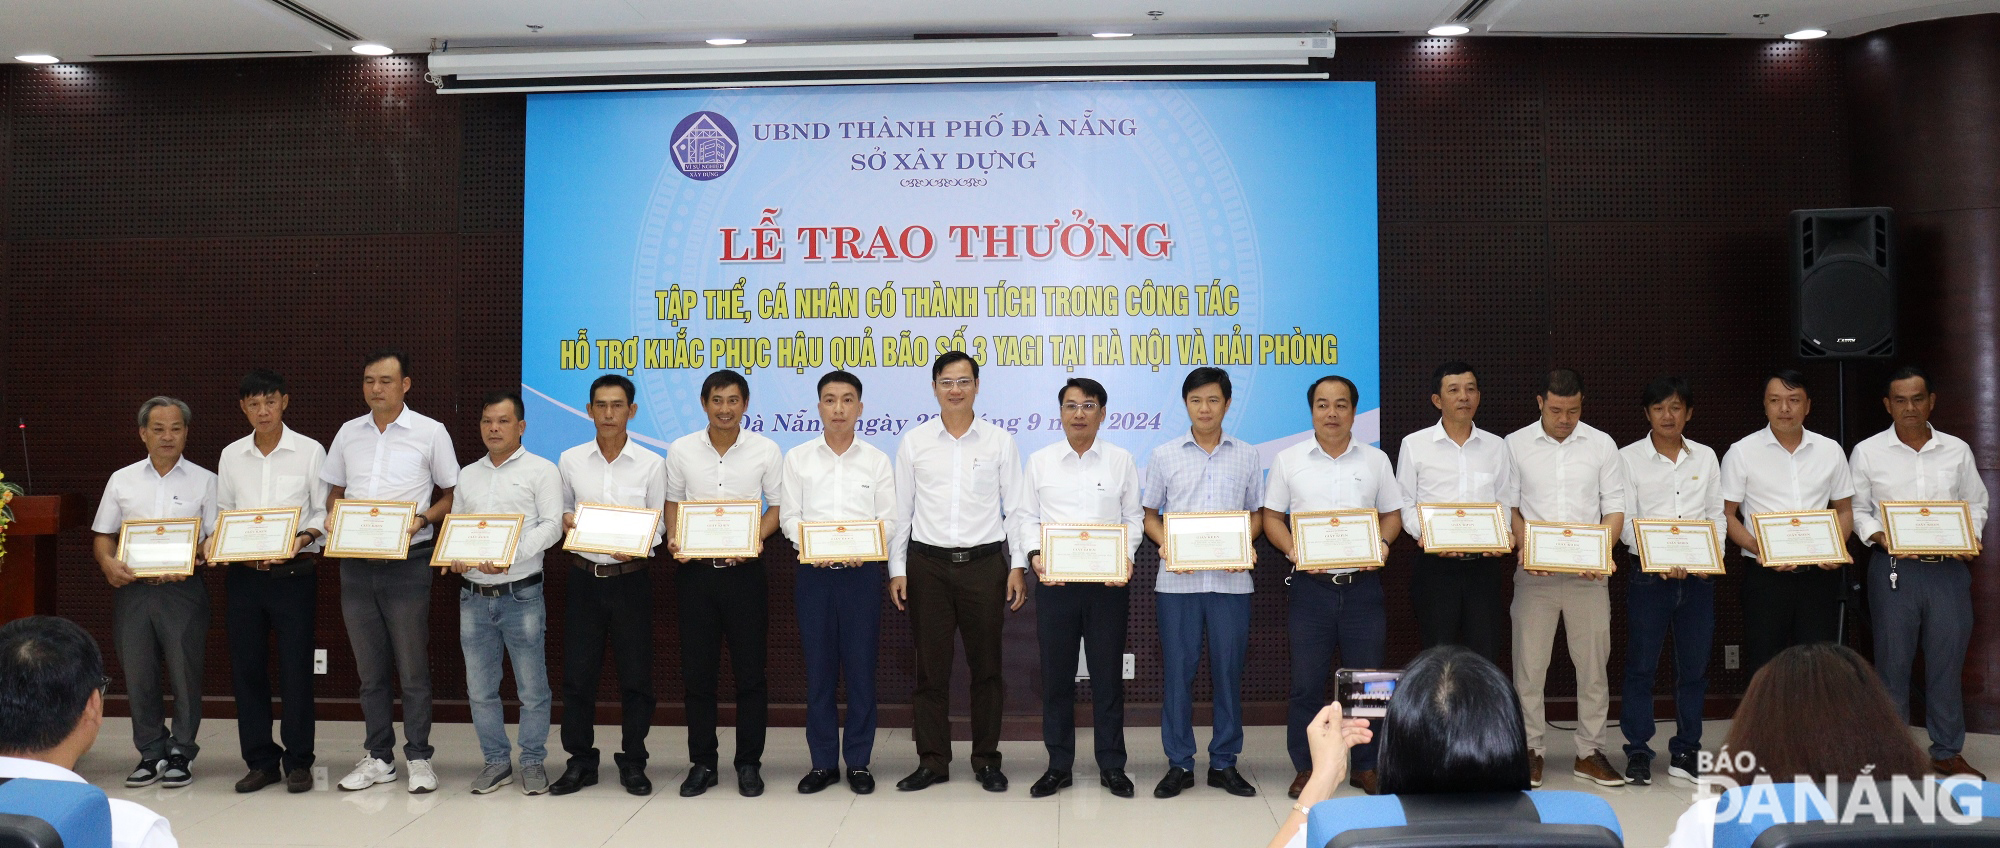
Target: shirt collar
[(1188, 440), (1438, 434), (1095, 451), (486, 458), (179, 464), (287, 441), (1652, 450), (971, 433), (37, 770), (1929, 443), (1352, 446), (1770, 437)]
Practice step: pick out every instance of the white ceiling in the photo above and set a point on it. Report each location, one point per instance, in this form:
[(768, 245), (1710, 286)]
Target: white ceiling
[(85, 30)]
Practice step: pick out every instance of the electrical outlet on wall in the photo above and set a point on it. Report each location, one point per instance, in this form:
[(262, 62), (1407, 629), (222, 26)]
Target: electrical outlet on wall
[(1732, 656), (1131, 667), (319, 660)]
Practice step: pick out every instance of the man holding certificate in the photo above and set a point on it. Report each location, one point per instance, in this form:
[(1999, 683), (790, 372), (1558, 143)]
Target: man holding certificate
[(720, 584), (1204, 470), (836, 488), (1460, 598), (1787, 468), (1921, 600), (1336, 603), (500, 610), (1570, 485), (1669, 477), (156, 610), (272, 599), (1081, 481), (958, 483), (610, 594), (394, 456)]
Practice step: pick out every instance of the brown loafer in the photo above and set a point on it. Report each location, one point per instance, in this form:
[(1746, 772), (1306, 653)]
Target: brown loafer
[(1299, 784), (1534, 770), (1956, 765), (258, 779), (1367, 781), (1597, 769)]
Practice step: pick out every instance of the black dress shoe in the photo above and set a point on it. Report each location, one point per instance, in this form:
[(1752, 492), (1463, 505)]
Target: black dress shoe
[(299, 780), (990, 778), (1116, 781), (749, 783), (1049, 782), (632, 776), (258, 779), (574, 777), (860, 781), (922, 778), (1177, 779), (818, 779), (699, 779), (1230, 781)]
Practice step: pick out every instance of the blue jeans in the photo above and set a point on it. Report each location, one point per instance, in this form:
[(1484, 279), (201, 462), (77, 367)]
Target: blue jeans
[(515, 623), (1656, 605), (1328, 617), (1184, 619)]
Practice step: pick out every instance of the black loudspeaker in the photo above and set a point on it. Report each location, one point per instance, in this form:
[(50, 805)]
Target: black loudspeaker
[(1844, 283)]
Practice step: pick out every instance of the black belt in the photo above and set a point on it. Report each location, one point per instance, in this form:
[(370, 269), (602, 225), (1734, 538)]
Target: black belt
[(956, 555), (1329, 579), (495, 590), (1928, 558), (611, 569)]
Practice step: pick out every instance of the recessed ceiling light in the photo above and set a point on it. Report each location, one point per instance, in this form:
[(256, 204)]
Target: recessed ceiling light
[(1110, 35), (1806, 34), (1449, 29), (37, 58), (371, 50), (727, 42)]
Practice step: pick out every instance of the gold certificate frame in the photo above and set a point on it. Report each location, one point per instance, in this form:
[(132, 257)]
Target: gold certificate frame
[(1814, 521), (457, 526), (1337, 518), (1228, 548), (1665, 532), (1056, 537), (230, 524), (813, 535), (396, 547), (160, 533), (740, 542), (1953, 512), (1428, 514), (1539, 533), (643, 547)]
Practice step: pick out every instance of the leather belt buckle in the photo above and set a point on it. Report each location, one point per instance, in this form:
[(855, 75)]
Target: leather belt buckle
[(1341, 579), (1929, 558), (597, 568), (960, 557)]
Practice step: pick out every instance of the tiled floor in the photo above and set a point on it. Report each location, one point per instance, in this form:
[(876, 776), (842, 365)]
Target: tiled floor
[(957, 814)]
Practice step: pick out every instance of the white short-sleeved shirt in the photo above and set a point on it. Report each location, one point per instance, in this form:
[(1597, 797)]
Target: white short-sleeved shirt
[(402, 463), (1685, 486), (523, 484), (638, 477), (1100, 486), (954, 492), (817, 484), (1578, 480), (288, 476), (1761, 476), (138, 493), (132, 825), (1885, 469), (1431, 468), (1305, 479), (747, 472)]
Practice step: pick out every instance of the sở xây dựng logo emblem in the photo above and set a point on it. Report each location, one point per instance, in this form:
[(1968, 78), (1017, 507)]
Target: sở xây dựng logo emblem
[(704, 145)]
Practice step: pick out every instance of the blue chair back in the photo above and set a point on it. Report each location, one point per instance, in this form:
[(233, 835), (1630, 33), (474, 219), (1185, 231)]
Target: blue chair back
[(53, 813)]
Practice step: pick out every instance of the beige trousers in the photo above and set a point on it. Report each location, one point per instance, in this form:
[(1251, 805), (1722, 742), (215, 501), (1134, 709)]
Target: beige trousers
[(1584, 608)]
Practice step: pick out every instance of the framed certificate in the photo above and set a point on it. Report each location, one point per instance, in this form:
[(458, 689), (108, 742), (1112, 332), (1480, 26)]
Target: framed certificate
[(1465, 528), (1807, 537), (370, 529), (1086, 553), (478, 538), (255, 535), (1927, 528), (1666, 544), (842, 541), (618, 530), (1575, 548), (1208, 541), (159, 548), (1337, 538), (718, 529)]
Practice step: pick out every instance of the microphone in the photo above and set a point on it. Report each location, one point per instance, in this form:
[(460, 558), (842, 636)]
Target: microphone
[(27, 468)]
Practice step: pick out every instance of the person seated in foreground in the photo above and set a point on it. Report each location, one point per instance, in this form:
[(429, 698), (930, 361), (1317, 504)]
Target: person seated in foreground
[(51, 707), (1815, 711), (1453, 726)]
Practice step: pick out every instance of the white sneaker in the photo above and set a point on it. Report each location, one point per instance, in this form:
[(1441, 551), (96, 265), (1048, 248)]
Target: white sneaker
[(368, 772), (422, 778)]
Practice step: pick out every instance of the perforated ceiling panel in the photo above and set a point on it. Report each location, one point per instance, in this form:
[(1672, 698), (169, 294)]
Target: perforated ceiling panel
[(1610, 205)]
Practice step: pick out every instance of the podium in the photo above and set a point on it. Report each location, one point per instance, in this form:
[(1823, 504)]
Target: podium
[(28, 571)]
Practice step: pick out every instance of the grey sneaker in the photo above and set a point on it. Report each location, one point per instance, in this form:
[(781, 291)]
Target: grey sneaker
[(493, 776), (534, 779)]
